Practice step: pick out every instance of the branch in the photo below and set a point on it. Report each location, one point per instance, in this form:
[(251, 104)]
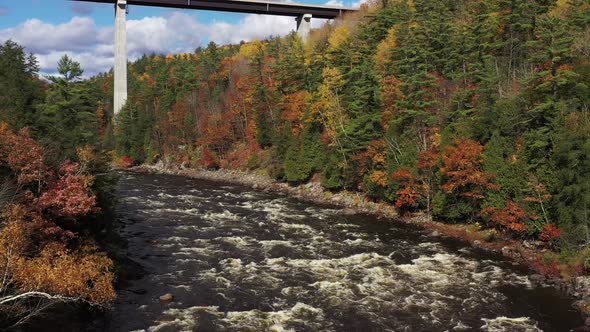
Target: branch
[(12, 298)]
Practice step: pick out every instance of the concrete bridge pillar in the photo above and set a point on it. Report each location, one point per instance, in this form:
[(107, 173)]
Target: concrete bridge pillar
[(304, 26), (120, 93)]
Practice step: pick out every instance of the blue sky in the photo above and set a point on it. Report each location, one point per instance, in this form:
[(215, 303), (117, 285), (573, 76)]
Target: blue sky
[(52, 28), (59, 11)]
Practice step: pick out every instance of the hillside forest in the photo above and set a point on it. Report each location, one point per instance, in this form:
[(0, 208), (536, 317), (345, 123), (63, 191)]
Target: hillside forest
[(470, 111)]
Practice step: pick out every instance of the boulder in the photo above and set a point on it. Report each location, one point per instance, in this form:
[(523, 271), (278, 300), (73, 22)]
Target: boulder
[(167, 297)]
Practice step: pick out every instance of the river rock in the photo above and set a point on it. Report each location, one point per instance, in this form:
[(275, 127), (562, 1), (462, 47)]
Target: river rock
[(348, 212), (507, 251), (159, 166), (435, 233), (583, 284), (537, 278), (336, 199), (476, 243), (167, 297)]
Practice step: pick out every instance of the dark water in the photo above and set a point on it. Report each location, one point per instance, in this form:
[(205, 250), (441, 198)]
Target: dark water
[(243, 260)]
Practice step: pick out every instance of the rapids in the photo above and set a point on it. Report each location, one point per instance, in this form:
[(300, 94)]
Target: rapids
[(242, 260)]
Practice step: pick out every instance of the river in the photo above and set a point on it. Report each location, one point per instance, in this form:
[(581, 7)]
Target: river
[(236, 259)]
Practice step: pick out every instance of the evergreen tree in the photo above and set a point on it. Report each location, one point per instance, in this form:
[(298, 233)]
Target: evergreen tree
[(304, 156), (131, 133), (572, 185), (20, 86), (501, 159), (67, 119), (399, 103)]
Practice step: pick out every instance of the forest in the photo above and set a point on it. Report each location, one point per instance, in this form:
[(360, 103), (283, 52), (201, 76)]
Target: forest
[(473, 112), (468, 111), (56, 194)]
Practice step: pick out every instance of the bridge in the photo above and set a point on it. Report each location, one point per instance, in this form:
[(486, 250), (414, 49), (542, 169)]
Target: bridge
[(302, 13)]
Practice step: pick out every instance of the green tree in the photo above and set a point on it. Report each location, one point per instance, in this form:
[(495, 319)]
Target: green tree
[(20, 87), (304, 156), (67, 119), (572, 161), (501, 159), (132, 133)]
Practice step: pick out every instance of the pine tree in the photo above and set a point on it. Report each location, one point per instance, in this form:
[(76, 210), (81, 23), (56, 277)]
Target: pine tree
[(305, 156), (67, 120), (572, 161), (501, 159), (20, 86)]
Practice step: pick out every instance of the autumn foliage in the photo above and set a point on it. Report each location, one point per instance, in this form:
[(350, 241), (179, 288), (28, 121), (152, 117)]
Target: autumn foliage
[(21, 154), (41, 256), (513, 217), (408, 193), (68, 196), (550, 233), (443, 107), (208, 159), (462, 168), (126, 162)]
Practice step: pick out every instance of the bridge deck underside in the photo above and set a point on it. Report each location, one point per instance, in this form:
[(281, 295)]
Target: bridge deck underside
[(242, 6)]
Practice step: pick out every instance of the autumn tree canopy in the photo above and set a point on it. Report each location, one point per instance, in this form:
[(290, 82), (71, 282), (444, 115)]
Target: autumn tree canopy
[(467, 110)]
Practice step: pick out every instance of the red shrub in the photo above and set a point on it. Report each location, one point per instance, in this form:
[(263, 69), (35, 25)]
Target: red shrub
[(70, 195), (408, 192), (208, 159), (513, 216), (127, 161), (550, 232)]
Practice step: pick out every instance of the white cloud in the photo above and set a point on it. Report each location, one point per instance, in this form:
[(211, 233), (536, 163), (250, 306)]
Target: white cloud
[(358, 3), (335, 3), (178, 32), (78, 34), (251, 27), (91, 63)]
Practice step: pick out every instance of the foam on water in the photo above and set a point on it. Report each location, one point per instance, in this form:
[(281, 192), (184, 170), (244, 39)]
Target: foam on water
[(247, 261), (369, 283), (226, 215), (183, 319), (505, 324), (301, 317), (189, 211), (276, 209), (154, 203)]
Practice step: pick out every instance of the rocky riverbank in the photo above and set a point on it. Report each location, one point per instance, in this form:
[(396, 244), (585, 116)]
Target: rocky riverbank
[(312, 191), (522, 252)]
